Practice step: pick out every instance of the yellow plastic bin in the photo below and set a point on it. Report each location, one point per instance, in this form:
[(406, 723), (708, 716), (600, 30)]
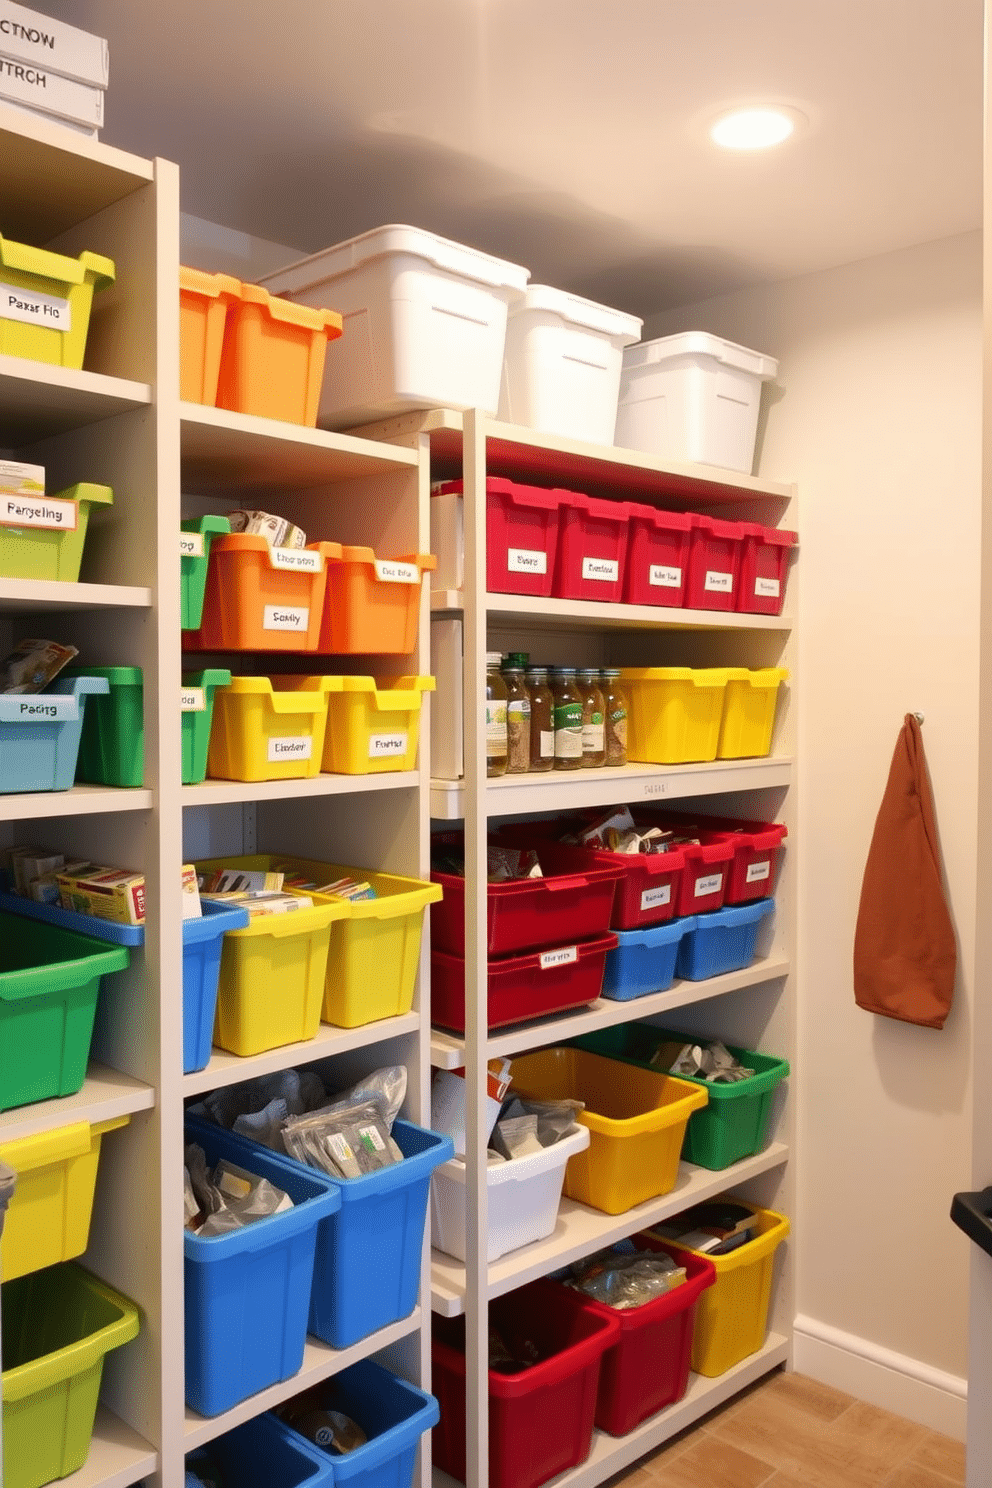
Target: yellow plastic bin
[(203, 305), (272, 361), (46, 300), (48, 1219), (50, 543), (732, 1315), (373, 726), (749, 712), (637, 1120), (674, 714), (269, 728)]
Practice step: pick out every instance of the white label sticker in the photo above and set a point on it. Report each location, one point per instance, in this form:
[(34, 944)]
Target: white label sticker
[(766, 588), (192, 700), (655, 898), (607, 570), (757, 871), (340, 1148), (526, 560), (662, 577), (370, 1138), (191, 544), (564, 956), (36, 708), (718, 583), (547, 743), (285, 617), (290, 749), (711, 884), (381, 746), (38, 511), (295, 560), (35, 309), (396, 573)]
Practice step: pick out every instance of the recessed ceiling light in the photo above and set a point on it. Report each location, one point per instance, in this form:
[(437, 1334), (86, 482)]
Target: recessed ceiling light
[(753, 128)]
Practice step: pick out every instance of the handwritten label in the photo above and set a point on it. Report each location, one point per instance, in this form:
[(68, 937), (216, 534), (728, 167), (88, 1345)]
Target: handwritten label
[(757, 871), (295, 560), (191, 545), (382, 746), (655, 898), (38, 511), (35, 309), (396, 573), (718, 583), (662, 577), (287, 748), (526, 560), (711, 884), (192, 700), (284, 617), (564, 956), (606, 570), (38, 709), (767, 588)]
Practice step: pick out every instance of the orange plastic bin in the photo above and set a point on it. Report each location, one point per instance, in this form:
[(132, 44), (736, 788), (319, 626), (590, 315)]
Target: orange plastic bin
[(204, 300), (371, 605), (272, 362), (261, 598)]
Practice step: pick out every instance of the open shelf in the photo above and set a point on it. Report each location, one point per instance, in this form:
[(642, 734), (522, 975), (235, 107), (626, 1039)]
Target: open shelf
[(53, 594), (584, 614), (81, 800), (118, 1456), (37, 399), (229, 1069), (105, 1094), (580, 1230), (219, 792)]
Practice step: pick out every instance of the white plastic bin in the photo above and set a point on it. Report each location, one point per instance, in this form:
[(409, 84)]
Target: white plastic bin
[(561, 367), (523, 1198), (693, 397), (424, 322)]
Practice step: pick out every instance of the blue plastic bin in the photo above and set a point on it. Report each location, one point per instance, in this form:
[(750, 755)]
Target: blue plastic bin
[(394, 1416), (40, 733), (264, 1451), (247, 1293), (722, 941), (644, 960)]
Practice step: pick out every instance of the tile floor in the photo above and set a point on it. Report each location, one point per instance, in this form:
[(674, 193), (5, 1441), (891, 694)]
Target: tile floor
[(787, 1431)]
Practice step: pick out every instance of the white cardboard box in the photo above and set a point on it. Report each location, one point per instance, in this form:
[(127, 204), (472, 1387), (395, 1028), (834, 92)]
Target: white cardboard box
[(23, 82), (447, 742), (27, 36), (448, 539), (89, 130)]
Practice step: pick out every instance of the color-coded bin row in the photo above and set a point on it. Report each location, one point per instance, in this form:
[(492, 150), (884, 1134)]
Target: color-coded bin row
[(683, 715)]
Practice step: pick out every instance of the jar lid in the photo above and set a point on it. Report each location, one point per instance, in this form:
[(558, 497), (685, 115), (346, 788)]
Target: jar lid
[(563, 671), (517, 659), (537, 671), (609, 672), (588, 671), (493, 658)]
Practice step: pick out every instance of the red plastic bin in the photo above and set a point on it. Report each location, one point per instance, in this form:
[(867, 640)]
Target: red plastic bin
[(648, 1368), (541, 1419), (657, 556), (648, 888), (755, 849), (521, 535), (714, 564), (592, 548), (765, 555), (522, 987)]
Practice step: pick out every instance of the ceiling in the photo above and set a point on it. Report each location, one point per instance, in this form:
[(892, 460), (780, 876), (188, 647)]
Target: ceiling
[(566, 135)]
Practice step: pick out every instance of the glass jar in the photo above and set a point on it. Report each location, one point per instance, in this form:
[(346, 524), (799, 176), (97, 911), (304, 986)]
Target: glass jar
[(542, 723), (568, 719), (517, 721), (615, 710), (593, 717), (496, 732)]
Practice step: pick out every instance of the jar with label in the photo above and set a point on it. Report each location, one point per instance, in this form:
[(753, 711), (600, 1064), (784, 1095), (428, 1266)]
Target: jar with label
[(496, 732), (542, 723), (615, 701), (568, 719), (593, 717), (517, 721)]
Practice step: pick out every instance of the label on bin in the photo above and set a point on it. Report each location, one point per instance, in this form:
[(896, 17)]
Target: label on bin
[(663, 577), (718, 583), (286, 617), (766, 588), (526, 560), (381, 746), (35, 309), (607, 570), (396, 573), (290, 749), (191, 545), (711, 884), (295, 560), (38, 511), (38, 708), (564, 956), (192, 700), (655, 898), (757, 871)]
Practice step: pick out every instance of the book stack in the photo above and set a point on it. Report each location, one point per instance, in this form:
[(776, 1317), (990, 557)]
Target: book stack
[(52, 70)]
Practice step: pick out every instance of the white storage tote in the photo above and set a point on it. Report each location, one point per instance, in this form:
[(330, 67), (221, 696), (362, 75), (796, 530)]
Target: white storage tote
[(424, 322), (693, 397), (561, 367)]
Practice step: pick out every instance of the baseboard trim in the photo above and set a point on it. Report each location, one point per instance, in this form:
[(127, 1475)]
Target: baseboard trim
[(895, 1382)]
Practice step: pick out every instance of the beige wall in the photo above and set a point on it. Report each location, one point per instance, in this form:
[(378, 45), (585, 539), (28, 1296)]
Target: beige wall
[(876, 415)]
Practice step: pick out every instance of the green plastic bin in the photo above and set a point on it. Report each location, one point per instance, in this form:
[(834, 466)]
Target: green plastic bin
[(58, 1326), (112, 749), (53, 552), (198, 710), (49, 982), (193, 566), (734, 1123)]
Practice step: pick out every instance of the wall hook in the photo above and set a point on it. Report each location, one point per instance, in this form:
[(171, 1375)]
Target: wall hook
[(918, 716)]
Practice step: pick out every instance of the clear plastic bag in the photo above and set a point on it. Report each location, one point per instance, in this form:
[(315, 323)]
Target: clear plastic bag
[(344, 1141), (625, 1277)]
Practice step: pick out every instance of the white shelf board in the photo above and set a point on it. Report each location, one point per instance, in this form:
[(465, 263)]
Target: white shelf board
[(52, 594), (226, 453), (105, 1094), (320, 1361), (448, 1050), (228, 1069), (609, 1455), (118, 1456), (578, 614), (219, 792), (561, 790), (581, 1230), (81, 800), (37, 399)]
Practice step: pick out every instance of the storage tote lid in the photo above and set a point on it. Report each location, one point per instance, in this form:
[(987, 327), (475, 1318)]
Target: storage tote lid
[(701, 343), (586, 313), (454, 258)]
